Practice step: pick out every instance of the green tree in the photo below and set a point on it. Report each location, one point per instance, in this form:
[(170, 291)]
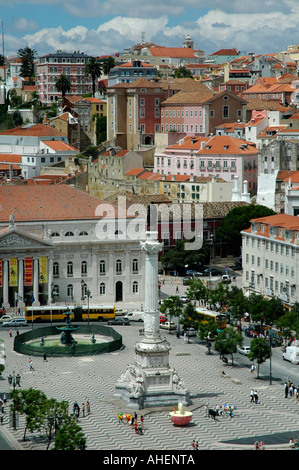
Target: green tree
[(108, 65), (27, 57), (228, 341), (260, 351), (237, 302), (238, 219), (29, 403), (55, 413), (207, 331), (94, 69), (173, 307), (63, 85), (183, 72), (189, 316), (178, 257), (69, 436), (197, 290)]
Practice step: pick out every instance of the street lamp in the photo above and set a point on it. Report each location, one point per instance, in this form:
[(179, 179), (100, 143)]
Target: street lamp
[(86, 293), (13, 381)]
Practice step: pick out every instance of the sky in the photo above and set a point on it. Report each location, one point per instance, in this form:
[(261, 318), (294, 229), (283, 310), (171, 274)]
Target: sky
[(104, 27)]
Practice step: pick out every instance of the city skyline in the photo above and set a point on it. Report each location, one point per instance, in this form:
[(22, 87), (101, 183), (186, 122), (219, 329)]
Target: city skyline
[(99, 27)]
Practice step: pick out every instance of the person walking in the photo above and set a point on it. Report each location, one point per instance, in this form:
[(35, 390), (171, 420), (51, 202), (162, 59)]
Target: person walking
[(83, 410), (256, 398), (286, 390), (252, 396), (45, 357), (30, 364), (87, 407), (252, 368)]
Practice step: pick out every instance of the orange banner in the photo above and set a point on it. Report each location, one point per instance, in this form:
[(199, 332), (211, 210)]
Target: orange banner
[(28, 281), (43, 270), (13, 272)]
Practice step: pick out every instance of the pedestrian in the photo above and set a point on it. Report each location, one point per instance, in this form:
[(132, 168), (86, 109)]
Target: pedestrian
[(256, 398), (141, 422), (4, 398), (252, 368), (251, 396), (196, 446), (87, 407), (193, 444), (185, 337), (10, 332), (45, 357), (30, 364), (136, 427), (83, 410), (291, 390), (286, 390), (177, 290)]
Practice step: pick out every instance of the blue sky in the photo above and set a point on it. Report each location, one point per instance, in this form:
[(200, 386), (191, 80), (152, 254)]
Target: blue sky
[(100, 27)]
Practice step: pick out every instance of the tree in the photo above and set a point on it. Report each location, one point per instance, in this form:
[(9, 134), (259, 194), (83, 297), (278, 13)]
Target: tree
[(69, 436), (94, 69), (63, 84), (29, 403), (173, 305), (207, 331), (260, 350), (228, 341), (197, 290), (237, 302), (189, 316), (108, 65), (183, 72), (178, 257), (27, 57), (238, 219)]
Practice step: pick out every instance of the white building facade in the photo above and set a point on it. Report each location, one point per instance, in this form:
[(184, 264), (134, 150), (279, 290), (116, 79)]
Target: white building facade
[(270, 256)]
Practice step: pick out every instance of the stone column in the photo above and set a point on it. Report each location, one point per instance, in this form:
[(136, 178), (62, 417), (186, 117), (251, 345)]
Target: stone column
[(35, 281), (50, 279), (21, 301), (5, 283)]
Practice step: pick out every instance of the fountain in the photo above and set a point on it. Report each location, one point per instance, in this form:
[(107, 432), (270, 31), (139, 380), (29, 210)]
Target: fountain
[(180, 417), (66, 335)]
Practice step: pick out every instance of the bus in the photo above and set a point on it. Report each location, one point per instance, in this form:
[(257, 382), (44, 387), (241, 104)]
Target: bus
[(55, 313), (205, 315)]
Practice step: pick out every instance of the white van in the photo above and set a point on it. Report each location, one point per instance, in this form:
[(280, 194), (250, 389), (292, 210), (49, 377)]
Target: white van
[(135, 316), (291, 354)]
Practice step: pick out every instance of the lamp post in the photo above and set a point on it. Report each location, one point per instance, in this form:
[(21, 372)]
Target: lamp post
[(13, 381), (86, 293)]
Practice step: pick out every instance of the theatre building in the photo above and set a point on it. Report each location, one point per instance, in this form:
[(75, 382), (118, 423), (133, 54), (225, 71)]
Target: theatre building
[(57, 243)]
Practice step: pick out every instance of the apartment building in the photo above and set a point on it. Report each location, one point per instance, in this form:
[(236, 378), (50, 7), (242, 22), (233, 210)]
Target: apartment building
[(270, 257), (51, 66)]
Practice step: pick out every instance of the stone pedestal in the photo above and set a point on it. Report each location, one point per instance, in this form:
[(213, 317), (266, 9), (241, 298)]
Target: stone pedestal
[(150, 381)]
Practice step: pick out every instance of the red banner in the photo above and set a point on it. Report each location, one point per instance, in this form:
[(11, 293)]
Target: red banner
[(0, 272), (28, 272)]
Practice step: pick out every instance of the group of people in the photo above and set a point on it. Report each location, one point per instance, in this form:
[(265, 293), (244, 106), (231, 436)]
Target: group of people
[(85, 409), (290, 390), (132, 421), (194, 445), (259, 445), (254, 396)]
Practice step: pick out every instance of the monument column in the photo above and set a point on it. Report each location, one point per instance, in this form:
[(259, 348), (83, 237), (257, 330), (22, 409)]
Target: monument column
[(21, 303), (35, 281), (5, 284), (150, 381)]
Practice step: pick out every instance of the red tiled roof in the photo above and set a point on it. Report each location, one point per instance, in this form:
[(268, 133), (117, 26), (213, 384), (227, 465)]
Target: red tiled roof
[(59, 145), (280, 220), (174, 52), (36, 130), (48, 202), (223, 144), (226, 52), (10, 158)]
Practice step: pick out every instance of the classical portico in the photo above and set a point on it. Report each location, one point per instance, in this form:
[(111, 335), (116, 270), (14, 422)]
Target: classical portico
[(26, 267)]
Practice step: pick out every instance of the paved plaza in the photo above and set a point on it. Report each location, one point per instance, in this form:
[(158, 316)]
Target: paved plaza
[(93, 378)]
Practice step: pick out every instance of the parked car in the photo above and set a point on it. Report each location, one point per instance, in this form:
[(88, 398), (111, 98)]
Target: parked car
[(190, 331), (212, 272), (184, 299), (244, 350), (15, 322), (5, 318), (194, 273), (163, 319), (119, 321), (168, 325), (135, 316), (226, 279), (120, 311)]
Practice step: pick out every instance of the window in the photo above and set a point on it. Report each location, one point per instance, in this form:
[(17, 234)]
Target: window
[(70, 269), (118, 267), (84, 268), (225, 111), (135, 266), (70, 291), (102, 268), (135, 287), (55, 269), (69, 234), (102, 288), (83, 234)]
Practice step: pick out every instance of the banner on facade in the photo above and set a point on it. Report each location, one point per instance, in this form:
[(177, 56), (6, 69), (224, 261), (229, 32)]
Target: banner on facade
[(13, 272), (1, 273), (43, 270), (28, 281)]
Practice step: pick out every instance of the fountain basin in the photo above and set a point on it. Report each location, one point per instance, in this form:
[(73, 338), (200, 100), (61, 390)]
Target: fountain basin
[(180, 417)]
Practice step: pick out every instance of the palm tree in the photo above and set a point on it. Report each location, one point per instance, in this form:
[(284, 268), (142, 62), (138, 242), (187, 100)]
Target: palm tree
[(63, 84), (108, 65), (94, 69)]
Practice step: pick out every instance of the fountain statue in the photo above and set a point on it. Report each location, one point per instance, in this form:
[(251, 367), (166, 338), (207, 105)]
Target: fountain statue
[(180, 417), (66, 335)]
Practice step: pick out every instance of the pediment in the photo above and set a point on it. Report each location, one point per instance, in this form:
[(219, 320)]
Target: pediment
[(13, 238)]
